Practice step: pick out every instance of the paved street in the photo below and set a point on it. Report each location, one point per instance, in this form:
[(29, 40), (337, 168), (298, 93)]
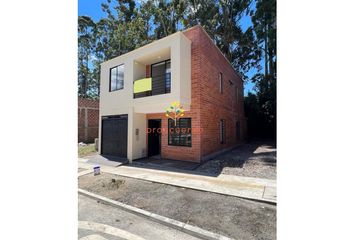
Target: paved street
[(98, 221)]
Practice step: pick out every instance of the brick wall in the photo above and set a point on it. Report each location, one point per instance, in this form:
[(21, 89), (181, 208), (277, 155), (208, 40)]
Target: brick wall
[(179, 152), (192, 153), (214, 105), (208, 105), (148, 70), (88, 120)]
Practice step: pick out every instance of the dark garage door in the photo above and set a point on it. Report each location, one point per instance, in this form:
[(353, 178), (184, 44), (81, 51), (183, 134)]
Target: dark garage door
[(114, 136)]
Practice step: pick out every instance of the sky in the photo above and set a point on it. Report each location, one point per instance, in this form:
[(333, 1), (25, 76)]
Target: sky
[(93, 9)]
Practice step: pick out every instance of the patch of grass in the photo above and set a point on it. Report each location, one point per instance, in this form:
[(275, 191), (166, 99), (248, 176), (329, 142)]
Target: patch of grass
[(86, 150)]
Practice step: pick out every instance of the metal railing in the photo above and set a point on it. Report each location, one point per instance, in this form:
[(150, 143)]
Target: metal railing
[(160, 84)]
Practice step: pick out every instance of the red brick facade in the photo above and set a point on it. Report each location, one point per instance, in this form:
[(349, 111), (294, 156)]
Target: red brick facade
[(148, 70), (88, 119), (208, 105)]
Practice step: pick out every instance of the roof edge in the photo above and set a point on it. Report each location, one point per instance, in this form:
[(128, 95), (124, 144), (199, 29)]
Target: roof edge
[(227, 60), (147, 45)]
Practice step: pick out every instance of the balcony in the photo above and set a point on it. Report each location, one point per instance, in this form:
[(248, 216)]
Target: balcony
[(156, 85), (161, 74)]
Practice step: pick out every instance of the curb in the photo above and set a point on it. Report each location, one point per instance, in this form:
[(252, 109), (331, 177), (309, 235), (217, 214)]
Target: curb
[(184, 227), (242, 196), (80, 174)]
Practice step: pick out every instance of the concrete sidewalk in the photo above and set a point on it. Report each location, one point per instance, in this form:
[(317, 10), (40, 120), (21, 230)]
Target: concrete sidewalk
[(245, 187)]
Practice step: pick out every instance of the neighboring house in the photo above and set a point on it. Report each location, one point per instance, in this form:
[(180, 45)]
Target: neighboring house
[(138, 87), (88, 118)]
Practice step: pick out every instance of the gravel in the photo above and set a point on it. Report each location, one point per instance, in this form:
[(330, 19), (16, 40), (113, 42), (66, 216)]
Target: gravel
[(255, 159)]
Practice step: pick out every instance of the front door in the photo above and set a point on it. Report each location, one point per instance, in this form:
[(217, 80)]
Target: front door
[(154, 137)]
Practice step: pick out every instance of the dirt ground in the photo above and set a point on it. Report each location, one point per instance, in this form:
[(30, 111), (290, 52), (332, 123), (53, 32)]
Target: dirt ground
[(255, 159), (230, 216), (86, 150)]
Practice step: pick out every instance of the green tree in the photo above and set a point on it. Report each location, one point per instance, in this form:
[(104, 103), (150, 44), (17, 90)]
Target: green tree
[(264, 22), (264, 27), (85, 53), (222, 20), (168, 17), (124, 29)]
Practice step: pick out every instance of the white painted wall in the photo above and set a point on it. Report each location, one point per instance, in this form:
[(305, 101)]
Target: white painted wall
[(139, 141), (185, 63)]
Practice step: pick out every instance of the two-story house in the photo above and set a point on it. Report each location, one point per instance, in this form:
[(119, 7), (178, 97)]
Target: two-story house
[(138, 87)]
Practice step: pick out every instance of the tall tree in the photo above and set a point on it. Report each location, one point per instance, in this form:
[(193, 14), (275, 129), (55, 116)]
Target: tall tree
[(125, 28), (168, 17), (85, 51), (204, 13), (264, 22), (222, 20)]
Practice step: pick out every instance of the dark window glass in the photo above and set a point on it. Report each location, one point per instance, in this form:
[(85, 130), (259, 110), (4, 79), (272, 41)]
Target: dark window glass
[(168, 77), (222, 130), (237, 94), (161, 77), (221, 84), (181, 133), (238, 130), (116, 78)]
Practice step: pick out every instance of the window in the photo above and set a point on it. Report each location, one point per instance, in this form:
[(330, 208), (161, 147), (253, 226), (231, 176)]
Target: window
[(222, 131), (239, 94), (168, 77), (181, 133), (116, 78), (221, 84), (237, 97), (238, 131), (161, 77)]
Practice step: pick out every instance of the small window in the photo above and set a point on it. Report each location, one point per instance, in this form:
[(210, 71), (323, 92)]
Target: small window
[(221, 83), (116, 78), (181, 133), (237, 95), (222, 131), (238, 131)]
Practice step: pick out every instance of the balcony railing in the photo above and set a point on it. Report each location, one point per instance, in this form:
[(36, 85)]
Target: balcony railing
[(156, 85)]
